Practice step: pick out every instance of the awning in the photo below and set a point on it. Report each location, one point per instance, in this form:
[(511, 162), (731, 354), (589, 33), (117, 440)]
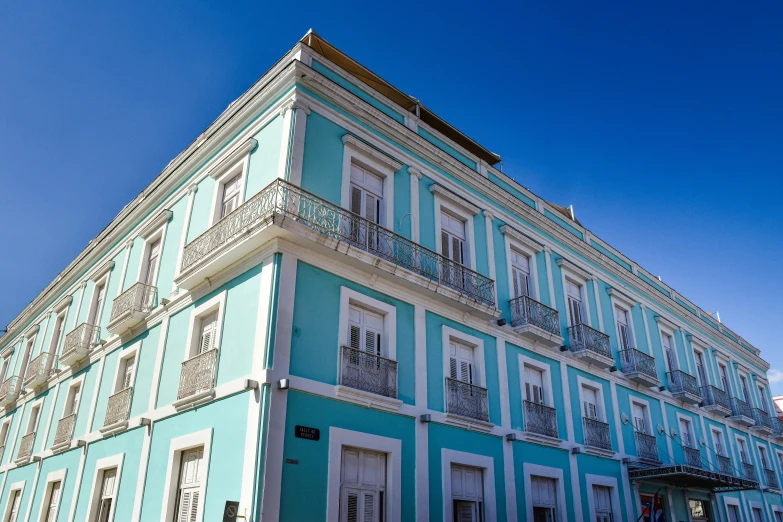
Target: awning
[(691, 477)]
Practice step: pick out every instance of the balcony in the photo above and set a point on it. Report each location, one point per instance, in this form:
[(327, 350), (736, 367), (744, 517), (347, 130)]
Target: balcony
[(25, 447), (741, 412), (647, 448), (771, 479), (39, 370), (466, 400), (715, 400), (692, 457), (541, 421), (590, 345), (284, 210), (749, 471), (724, 465), (596, 435), (131, 307), (79, 343), (762, 422), (9, 390), (535, 321), (64, 433), (368, 379), (684, 387), (777, 434), (639, 367), (117, 411), (197, 379)]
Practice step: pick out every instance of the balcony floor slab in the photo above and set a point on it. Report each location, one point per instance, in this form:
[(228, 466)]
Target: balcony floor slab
[(643, 379), (538, 335), (368, 399)]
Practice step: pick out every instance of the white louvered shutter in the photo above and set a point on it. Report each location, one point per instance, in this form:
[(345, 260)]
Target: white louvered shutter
[(230, 196), (574, 303), (365, 330), (452, 238), (190, 486), (363, 481), (639, 421), (127, 379), (461, 362), (14, 515), (590, 403), (208, 331), (534, 385), (107, 494), (520, 274), (153, 259), (54, 502)]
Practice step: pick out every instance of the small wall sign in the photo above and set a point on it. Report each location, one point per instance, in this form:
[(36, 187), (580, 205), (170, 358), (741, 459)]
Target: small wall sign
[(230, 511), (303, 432)]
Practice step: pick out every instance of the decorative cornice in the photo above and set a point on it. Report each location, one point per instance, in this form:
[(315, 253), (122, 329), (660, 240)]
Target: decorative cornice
[(621, 296), (157, 222), (102, 270), (454, 199), (349, 140), (520, 237), (571, 266), (233, 157), (662, 320), (489, 215), (32, 330), (413, 171), (62, 304), (192, 188), (295, 104)]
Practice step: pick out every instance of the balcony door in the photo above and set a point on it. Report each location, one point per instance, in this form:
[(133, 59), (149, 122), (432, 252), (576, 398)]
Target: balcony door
[(520, 274), (534, 385), (367, 202), (623, 331), (685, 433), (363, 486), (207, 336), (97, 304), (668, 351), (153, 262), (602, 500), (461, 363), (544, 497), (745, 390), (763, 399), (366, 330), (590, 403), (743, 451), (574, 296), (640, 418), (717, 443), (231, 195), (701, 372), (467, 493)]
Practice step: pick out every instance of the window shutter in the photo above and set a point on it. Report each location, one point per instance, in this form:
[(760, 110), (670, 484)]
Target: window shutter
[(465, 511), (369, 507), (356, 200), (129, 364), (371, 208), (453, 367), (208, 325), (456, 246), (538, 392), (444, 245), (352, 510), (528, 395)]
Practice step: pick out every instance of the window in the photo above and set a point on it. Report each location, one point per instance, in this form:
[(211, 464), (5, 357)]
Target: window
[(745, 389), (127, 372), (757, 516), (724, 378), (362, 485), (700, 511), (623, 330), (574, 296), (4, 432), (701, 372), (520, 274), (231, 195), (640, 415), (365, 330), (734, 515), (763, 458), (57, 334), (743, 451), (32, 422), (4, 371), (366, 194), (14, 501), (53, 502), (717, 443), (534, 385), (453, 238), (207, 334), (763, 399), (778, 516), (99, 294), (72, 401), (152, 262), (108, 492), (590, 404), (602, 498), (467, 493), (544, 498), (28, 352), (686, 434), (461, 363), (189, 486), (668, 351)]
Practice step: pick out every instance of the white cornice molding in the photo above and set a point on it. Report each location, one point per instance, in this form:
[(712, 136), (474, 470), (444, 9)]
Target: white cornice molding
[(621, 296), (32, 330), (62, 304), (454, 199), (521, 237), (102, 270), (566, 264), (358, 145), (293, 105), (694, 339), (666, 322), (488, 215), (154, 225), (233, 157)]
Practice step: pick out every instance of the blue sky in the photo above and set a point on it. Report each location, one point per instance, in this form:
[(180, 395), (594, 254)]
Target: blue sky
[(661, 123)]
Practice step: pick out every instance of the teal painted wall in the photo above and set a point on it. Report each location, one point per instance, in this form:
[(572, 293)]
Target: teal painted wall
[(264, 161), (322, 164)]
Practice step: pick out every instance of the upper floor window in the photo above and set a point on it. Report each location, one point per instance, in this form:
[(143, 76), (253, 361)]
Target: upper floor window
[(207, 338), (98, 297), (366, 330), (461, 363), (72, 400), (640, 417), (4, 433), (362, 485), (717, 442), (57, 333), (467, 493), (4, 370), (574, 296), (534, 385), (520, 274), (745, 389), (743, 451), (32, 422), (701, 372), (590, 403), (28, 353), (763, 399), (230, 195), (763, 458), (623, 329), (724, 378), (453, 237), (366, 194), (668, 350), (152, 262), (686, 433)]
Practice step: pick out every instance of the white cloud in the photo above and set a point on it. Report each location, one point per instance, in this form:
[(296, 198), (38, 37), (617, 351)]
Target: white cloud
[(775, 376)]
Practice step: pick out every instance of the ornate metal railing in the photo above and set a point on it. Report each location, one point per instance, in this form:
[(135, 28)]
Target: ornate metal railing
[(540, 419), (10, 386), (368, 372), (692, 456), (740, 407), (762, 418), (632, 360), (282, 198), (118, 408), (771, 479), (777, 429), (724, 465), (65, 428), (585, 338), (527, 311), (749, 471), (26, 446), (198, 374), (138, 298), (681, 382), (714, 396), (467, 400), (646, 446), (84, 337), (597, 434), (40, 366)]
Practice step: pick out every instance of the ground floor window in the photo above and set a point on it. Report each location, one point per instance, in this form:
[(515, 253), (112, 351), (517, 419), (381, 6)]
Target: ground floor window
[(544, 499), (757, 516), (189, 495), (602, 496), (700, 510), (467, 493), (734, 515), (362, 485)]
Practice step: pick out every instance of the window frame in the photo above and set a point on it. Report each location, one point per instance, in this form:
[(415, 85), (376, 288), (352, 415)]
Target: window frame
[(158, 234), (51, 479), (124, 355), (215, 304), (16, 486), (91, 307), (530, 470), (721, 439), (512, 244), (223, 173), (592, 480), (545, 369), (54, 343), (177, 447), (451, 457), (626, 307), (101, 465), (70, 395), (601, 413), (462, 210), (668, 331), (447, 335), (350, 297), (647, 411), (694, 443)]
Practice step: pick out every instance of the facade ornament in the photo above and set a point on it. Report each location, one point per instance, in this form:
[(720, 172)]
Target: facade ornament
[(413, 171)]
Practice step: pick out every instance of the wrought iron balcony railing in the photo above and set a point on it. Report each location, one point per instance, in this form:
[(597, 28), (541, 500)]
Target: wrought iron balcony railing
[(9, 389), (740, 408), (596, 434), (681, 382), (777, 428), (39, 369), (692, 456), (132, 305), (646, 446), (79, 342), (715, 397), (724, 465), (118, 408), (634, 361), (762, 419), (585, 338), (26, 446), (540, 419), (771, 479), (198, 374), (368, 372), (65, 428), (290, 201), (467, 400), (749, 471), (527, 311)]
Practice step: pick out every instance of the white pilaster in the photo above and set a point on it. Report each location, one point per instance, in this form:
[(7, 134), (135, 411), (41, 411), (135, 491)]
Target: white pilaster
[(294, 115), (192, 189), (598, 305), (550, 280), (488, 217), (422, 432), (415, 175)]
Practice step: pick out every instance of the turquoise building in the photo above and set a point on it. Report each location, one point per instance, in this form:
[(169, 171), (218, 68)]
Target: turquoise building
[(333, 306)]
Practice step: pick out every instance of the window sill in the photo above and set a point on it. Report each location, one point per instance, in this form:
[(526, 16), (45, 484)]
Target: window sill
[(544, 440), (468, 423), (192, 401), (598, 452), (368, 399)]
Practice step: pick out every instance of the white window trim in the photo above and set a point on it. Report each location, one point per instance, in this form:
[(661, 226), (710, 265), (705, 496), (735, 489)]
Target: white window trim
[(470, 237), (389, 312), (722, 438), (216, 304), (647, 414), (357, 153), (131, 351), (609, 482), (223, 172), (102, 271), (461, 458), (101, 465), (538, 470), (477, 344), (338, 438), (692, 422), (103, 280), (512, 244), (54, 347), (757, 505), (77, 381), (731, 501), (583, 382), (150, 237), (666, 330), (567, 273), (627, 307), (545, 369), (16, 486), (54, 476), (177, 446)]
